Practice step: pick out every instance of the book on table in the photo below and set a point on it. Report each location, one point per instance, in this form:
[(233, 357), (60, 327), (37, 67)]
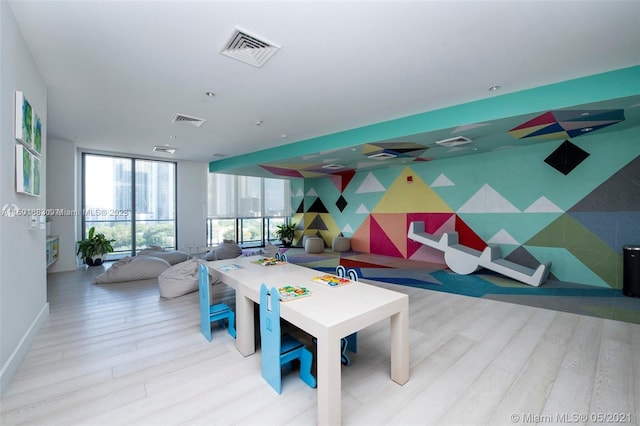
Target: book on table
[(291, 292), (331, 280), (228, 268), (269, 261)]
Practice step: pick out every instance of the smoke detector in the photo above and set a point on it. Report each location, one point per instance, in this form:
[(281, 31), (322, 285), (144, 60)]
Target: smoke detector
[(188, 120), (249, 48), (458, 140)]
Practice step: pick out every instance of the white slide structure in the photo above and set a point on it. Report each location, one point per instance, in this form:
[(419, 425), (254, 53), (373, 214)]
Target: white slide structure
[(465, 260)]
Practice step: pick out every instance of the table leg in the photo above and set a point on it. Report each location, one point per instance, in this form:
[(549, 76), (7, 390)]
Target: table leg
[(400, 346), (245, 331), (329, 381)]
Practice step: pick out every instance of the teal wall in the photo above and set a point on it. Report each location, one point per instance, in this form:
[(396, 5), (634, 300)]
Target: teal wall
[(585, 218)]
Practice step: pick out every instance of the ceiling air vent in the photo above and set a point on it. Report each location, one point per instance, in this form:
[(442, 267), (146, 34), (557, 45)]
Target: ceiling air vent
[(249, 48), (332, 166), (382, 156), (166, 149), (458, 140), (191, 121)]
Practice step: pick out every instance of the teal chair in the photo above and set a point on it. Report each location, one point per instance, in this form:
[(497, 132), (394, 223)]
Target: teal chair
[(351, 341), (212, 313), (279, 350)]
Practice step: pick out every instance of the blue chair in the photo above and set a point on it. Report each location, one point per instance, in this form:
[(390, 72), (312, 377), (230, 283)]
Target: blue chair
[(277, 350), (351, 341), (212, 313)]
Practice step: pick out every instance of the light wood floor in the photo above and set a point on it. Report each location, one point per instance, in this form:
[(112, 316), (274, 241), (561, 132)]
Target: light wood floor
[(117, 354)]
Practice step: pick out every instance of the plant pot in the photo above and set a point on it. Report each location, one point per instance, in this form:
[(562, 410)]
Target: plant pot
[(94, 261)]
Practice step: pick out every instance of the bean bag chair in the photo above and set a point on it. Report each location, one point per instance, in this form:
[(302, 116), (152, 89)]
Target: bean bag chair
[(178, 280), (132, 269), (227, 250), (171, 256)]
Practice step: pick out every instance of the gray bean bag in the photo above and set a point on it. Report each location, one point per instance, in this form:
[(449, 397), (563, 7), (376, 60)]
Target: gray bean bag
[(132, 269), (179, 279), (227, 250), (171, 256)]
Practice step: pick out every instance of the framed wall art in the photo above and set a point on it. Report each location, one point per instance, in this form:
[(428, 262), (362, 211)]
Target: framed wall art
[(35, 176), (24, 120), (24, 170), (37, 135)]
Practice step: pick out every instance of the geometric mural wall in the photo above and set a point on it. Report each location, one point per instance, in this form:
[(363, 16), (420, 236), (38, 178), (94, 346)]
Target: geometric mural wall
[(579, 221)]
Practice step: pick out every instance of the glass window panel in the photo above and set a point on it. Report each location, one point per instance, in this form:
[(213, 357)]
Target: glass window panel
[(272, 226), (250, 232), (221, 195), (276, 198), (249, 196), (155, 204), (107, 198), (221, 229)]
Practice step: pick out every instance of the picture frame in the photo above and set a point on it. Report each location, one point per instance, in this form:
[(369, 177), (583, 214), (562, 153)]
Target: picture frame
[(24, 120), (36, 175), (24, 170), (37, 135)]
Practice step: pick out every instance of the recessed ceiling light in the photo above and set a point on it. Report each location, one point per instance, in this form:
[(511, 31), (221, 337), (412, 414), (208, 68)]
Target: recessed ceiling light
[(333, 166), (284, 136), (173, 137), (210, 94), (259, 122), (586, 129), (494, 88)]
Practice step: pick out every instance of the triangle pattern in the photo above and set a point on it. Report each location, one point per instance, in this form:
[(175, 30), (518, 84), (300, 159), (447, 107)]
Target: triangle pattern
[(341, 180), (487, 200), (467, 237), (442, 180), (416, 196), (370, 184), (394, 227), (543, 205), (317, 223), (380, 243), (361, 239), (362, 209), (317, 207), (347, 229), (608, 198), (434, 223), (312, 193), (503, 237)]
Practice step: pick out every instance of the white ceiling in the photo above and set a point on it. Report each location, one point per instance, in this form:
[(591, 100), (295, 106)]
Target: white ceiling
[(119, 71)]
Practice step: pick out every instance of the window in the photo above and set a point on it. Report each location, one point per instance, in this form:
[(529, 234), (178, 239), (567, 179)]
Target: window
[(246, 209), (130, 200)]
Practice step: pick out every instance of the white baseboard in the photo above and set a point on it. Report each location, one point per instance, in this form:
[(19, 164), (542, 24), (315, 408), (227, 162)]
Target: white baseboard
[(15, 360)]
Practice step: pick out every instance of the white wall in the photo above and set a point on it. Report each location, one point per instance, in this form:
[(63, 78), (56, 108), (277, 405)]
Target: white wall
[(61, 195), (192, 203), (23, 290)]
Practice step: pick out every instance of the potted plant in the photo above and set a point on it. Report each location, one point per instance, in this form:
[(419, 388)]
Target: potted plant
[(94, 247), (285, 233)]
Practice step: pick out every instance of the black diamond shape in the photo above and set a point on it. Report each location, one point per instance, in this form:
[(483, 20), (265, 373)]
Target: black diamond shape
[(566, 157), (341, 203)]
